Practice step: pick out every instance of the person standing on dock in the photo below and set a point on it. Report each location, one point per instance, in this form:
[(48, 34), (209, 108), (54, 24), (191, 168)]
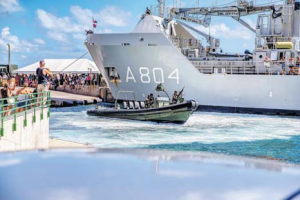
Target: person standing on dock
[(42, 77)]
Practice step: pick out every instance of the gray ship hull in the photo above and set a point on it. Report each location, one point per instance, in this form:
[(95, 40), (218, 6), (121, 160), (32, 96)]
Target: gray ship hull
[(142, 65)]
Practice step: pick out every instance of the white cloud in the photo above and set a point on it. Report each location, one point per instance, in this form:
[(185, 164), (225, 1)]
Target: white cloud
[(107, 30), (110, 15), (61, 37), (80, 21), (9, 6), (79, 36), (51, 22), (114, 16), (83, 16), (39, 41), (23, 56), (16, 44), (223, 31)]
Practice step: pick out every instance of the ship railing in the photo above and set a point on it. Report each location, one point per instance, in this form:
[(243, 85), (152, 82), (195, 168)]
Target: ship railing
[(239, 67), (11, 108)]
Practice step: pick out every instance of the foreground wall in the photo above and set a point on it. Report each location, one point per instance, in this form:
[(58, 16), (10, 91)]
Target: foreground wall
[(34, 135)]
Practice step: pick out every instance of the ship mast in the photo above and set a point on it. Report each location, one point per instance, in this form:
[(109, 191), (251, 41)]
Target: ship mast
[(161, 8)]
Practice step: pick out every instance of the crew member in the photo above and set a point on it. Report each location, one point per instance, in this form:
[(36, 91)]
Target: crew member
[(151, 100), (175, 97)]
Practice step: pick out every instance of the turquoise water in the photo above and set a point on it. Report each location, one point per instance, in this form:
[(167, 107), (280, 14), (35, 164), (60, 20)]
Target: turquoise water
[(247, 135)]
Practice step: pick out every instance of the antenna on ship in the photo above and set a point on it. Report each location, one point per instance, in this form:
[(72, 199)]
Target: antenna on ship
[(161, 8)]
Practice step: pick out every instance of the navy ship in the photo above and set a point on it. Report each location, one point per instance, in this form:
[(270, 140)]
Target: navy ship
[(164, 48)]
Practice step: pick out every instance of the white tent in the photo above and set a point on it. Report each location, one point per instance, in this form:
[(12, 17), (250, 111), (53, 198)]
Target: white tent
[(62, 66)]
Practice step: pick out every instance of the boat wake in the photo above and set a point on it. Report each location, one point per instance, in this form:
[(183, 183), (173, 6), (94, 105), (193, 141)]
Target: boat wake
[(205, 128)]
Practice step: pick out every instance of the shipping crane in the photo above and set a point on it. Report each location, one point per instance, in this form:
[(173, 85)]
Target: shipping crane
[(242, 8), (202, 16)]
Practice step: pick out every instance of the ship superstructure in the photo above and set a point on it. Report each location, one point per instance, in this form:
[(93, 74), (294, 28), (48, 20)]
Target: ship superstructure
[(166, 50)]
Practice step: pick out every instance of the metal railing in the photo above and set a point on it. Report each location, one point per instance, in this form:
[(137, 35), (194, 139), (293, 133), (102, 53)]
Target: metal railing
[(12, 107), (239, 67)]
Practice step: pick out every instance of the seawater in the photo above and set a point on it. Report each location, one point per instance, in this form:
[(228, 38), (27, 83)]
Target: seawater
[(237, 134)]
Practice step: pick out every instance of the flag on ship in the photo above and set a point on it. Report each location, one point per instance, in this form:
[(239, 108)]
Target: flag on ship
[(94, 23)]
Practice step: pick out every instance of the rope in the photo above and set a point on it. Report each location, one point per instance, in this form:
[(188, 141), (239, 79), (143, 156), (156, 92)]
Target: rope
[(74, 61)]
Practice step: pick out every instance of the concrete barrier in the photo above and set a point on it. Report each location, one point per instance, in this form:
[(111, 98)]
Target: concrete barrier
[(83, 91), (102, 92), (35, 135)]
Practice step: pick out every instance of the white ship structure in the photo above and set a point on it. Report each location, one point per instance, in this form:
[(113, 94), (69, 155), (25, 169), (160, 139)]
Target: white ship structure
[(166, 50)]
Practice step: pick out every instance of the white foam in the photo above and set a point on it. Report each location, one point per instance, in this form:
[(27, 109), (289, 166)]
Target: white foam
[(202, 127)]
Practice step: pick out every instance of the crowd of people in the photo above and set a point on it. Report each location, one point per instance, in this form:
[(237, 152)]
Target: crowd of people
[(42, 81), (294, 67), (70, 81), (75, 82)]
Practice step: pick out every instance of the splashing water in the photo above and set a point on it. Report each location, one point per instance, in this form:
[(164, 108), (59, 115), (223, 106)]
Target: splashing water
[(215, 132)]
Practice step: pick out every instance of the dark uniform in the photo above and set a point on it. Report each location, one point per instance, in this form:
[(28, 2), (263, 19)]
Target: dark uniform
[(175, 98), (151, 100)]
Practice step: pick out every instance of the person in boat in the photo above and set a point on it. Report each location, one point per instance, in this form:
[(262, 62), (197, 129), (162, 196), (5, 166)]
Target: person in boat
[(147, 102), (175, 97), (151, 100)]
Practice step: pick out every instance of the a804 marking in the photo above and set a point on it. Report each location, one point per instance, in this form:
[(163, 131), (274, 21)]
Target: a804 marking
[(156, 75)]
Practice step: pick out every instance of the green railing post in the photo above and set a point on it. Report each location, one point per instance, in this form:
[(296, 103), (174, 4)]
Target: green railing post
[(26, 105), (15, 115), (34, 106), (42, 106), (48, 103), (2, 118)]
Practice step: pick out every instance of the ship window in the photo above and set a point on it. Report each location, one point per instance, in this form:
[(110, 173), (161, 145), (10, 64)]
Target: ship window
[(260, 56), (126, 44), (152, 44), (141, 39)]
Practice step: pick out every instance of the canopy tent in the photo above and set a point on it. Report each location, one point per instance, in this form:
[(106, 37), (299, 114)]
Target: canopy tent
[(62, 66)]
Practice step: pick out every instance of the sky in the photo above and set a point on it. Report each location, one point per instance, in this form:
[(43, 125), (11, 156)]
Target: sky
[(46, 29)]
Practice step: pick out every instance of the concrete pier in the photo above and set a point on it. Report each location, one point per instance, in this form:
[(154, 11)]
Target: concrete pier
[(29, 135), (64, 99)]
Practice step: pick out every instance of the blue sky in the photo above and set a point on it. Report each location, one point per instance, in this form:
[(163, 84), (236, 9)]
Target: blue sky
[(41, 29)]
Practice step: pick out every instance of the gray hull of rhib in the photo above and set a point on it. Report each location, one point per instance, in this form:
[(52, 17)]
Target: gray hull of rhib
[(274, 92)]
